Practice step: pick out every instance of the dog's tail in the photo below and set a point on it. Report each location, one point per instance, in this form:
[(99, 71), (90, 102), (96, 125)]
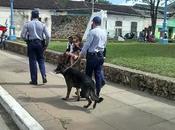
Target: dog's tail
[(94, 97)]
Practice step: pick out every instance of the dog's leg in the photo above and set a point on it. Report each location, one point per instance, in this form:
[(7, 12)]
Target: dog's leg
[(94, 105), (89, 103), (68, 93), (78, 94)]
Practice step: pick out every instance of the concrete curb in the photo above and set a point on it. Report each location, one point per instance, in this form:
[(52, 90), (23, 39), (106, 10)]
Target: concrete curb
[(20, 116)]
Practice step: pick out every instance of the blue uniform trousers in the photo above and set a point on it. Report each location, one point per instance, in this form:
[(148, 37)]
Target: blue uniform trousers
[(35, 53), (94, 63)]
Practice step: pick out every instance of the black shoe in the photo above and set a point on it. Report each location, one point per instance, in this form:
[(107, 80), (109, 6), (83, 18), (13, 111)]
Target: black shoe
[(44, 80), (33, 83)]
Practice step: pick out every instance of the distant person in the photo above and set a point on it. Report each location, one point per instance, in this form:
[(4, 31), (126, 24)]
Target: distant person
[(3, 38), (165, 36), (141, 36), (33, 32)]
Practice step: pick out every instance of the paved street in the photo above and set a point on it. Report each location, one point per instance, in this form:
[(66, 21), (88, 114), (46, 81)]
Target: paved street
[(122, 108), (6, 122)]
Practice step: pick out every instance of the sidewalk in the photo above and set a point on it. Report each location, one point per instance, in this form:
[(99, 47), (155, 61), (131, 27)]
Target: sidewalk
[(122, 108)]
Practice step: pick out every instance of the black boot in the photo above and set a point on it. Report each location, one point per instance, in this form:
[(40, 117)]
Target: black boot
[(44, 80)]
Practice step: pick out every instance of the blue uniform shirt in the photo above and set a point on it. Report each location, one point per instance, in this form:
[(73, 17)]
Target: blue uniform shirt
[(35, 30), (96, 41)]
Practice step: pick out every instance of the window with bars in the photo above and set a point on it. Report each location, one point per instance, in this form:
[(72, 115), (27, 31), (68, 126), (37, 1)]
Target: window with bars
[(118, 29), (118, 23), (133, 27)]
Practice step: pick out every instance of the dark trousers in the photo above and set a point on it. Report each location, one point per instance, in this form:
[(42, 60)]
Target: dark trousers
[(94, 65), (35, 53)]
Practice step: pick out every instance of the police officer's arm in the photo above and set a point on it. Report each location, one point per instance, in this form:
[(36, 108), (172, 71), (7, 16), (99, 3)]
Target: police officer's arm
[(87, 44), (46, 33), (24, 32)]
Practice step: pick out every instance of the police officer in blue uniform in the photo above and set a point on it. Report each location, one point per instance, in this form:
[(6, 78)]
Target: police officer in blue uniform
[(93, 49), (34, 32)]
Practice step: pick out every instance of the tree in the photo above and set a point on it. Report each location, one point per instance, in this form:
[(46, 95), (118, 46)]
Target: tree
[(162, 3), (154, 5)]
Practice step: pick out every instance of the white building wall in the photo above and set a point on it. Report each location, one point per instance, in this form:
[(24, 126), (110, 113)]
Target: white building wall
[(4, 16), (46, 18), (22, 16), (111, 27), (126, 24), (148, 22)]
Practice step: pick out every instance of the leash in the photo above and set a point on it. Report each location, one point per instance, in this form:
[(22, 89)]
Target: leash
[(71, 65)]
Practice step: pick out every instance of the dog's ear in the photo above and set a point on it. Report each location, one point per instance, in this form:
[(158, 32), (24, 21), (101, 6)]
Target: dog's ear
[(59, 68), (60, 59), (64, 58), (64, 54)]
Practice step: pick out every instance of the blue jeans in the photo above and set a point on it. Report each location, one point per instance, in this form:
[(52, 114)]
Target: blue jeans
[(94, 65), (35, 53)]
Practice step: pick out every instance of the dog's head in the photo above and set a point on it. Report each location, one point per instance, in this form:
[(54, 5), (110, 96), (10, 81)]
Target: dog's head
[(60, 68), (62, 64)]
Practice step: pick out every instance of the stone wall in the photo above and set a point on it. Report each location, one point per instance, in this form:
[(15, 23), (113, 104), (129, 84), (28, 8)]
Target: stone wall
[(143, 81), (50, 56), (66, 25), (147, 82)]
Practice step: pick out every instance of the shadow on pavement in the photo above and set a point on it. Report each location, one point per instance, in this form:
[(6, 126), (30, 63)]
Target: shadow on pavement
[(13, 83), (50, 86), (56, 102), (34, 86)]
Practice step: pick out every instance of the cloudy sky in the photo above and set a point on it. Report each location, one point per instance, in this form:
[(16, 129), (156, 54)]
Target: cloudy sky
[(116, 1)]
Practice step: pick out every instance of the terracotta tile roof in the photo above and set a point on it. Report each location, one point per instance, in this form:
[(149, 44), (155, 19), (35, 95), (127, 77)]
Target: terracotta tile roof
[(112, 9), (71, 5), (30, 4), (171, 7)]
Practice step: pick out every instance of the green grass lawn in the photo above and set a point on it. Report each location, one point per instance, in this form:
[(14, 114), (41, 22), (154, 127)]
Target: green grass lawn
[(58, 46), (153, 58)]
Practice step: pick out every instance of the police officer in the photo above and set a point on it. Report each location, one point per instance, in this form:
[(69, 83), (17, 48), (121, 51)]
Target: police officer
[(34, 32), (93, 49)]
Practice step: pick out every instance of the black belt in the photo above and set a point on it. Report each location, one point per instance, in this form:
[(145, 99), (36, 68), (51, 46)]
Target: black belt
[(100, 53), (34, 40)]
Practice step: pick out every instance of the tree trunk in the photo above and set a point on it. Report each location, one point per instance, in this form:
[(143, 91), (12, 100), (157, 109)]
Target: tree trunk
[(153, 13), (153, 27)]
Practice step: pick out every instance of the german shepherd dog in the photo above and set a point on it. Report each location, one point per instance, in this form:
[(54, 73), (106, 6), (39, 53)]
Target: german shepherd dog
[(79, 80)]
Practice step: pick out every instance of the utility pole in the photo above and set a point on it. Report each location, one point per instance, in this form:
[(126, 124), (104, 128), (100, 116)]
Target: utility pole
[(12, 27)]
